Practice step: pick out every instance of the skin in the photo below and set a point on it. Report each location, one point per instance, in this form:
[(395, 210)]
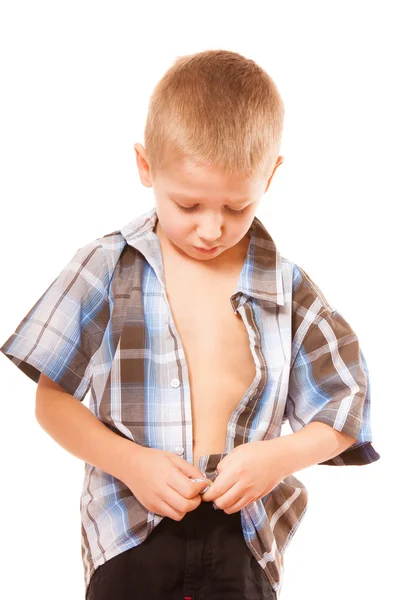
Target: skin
[(214, 196)]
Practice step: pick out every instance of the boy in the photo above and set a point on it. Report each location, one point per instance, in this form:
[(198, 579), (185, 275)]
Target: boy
[(197, 341)]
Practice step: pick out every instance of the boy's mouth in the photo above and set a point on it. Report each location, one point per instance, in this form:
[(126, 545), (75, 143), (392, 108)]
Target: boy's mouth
[(206, 251)]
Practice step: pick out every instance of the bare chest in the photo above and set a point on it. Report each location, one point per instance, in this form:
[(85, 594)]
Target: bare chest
[(217, 350)]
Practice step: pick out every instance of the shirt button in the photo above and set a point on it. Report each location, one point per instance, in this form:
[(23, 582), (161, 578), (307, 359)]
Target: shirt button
[(179, 450), (175, 383)]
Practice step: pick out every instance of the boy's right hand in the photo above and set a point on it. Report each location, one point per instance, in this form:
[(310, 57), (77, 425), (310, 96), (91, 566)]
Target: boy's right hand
[(160, 480)]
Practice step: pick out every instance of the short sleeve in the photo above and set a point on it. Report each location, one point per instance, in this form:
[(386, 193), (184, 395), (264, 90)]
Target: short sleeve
[(62, 332), (329, 379)]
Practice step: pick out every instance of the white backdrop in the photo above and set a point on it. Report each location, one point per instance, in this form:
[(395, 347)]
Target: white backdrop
[(76, 80)]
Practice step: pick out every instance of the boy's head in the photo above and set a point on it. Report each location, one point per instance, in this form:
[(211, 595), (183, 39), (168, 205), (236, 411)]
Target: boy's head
[(212, 141)]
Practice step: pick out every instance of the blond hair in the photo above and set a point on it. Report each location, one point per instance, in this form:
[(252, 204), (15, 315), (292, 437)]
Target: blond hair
[(215, 107)]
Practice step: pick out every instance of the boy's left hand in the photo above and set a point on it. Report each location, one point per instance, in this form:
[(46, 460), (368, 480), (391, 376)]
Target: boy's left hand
[(246, 474)]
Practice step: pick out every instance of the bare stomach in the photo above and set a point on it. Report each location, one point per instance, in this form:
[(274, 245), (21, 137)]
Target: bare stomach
[(209, 444), (214, 398)]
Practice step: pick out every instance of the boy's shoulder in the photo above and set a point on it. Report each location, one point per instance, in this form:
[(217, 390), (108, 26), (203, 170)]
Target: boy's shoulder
[(299, 288), (302, 282), (136, 229), (104, 252), (110, 245)]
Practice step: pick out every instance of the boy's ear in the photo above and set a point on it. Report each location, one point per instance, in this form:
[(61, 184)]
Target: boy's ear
[(279, 161), (143, 165)]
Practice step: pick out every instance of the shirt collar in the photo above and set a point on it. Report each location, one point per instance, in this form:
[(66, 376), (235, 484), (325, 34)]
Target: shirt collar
[(260, 277)]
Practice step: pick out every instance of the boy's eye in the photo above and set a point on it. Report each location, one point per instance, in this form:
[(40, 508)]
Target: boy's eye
[(189, 209)]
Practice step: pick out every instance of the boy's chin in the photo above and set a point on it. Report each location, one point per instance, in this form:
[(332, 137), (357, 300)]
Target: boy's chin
[(192, 252)]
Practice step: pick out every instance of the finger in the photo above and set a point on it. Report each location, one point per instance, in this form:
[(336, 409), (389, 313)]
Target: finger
[(226, 493), (200, 485), (187, 487), (217, 489), (187, 469), (179, 502), (241, 503), (166, 510), (207, 483)]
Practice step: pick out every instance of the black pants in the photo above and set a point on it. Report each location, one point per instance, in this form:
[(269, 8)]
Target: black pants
[(202, 557)]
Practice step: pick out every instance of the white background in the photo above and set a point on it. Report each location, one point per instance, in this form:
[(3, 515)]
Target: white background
[(76, 79)]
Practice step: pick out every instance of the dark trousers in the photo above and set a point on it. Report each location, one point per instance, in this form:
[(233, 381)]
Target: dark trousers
[(202, 557)]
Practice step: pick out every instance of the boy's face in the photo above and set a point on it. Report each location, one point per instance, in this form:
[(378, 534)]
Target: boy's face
[(201, 207)]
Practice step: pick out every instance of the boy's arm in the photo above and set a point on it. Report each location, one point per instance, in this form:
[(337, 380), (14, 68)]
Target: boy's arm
[(72, 425), (313, 444), (328, 383)]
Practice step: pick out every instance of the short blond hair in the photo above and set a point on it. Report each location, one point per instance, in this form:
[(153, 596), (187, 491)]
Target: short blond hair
[(215, 107)]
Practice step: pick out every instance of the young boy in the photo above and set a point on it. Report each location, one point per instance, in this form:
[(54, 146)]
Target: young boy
[(197, 340)]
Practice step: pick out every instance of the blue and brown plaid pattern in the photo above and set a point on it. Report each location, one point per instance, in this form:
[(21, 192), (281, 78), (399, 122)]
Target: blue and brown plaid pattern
[(104, 326)]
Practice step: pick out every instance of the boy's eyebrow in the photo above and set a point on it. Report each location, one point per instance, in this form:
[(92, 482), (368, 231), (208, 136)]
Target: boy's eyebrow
[(194, 199)]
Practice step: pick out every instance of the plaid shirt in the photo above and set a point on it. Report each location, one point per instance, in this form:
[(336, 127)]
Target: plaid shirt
[(104, 325)]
